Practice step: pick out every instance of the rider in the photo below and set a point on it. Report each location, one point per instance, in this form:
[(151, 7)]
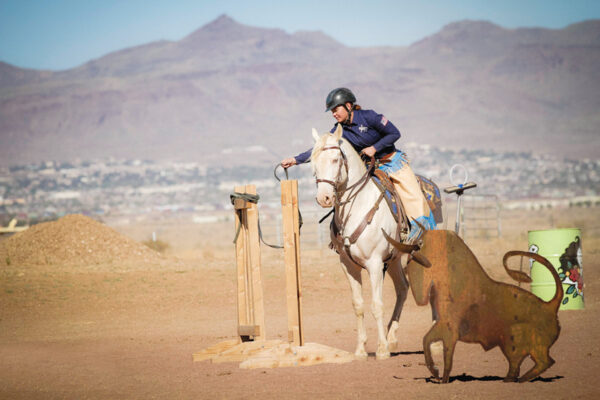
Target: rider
[(373, 135)]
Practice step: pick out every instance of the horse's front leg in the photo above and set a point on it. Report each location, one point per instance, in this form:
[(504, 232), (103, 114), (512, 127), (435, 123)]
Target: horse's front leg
[(375, 268), (355, 280)]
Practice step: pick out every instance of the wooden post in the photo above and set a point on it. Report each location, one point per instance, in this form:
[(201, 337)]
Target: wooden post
[(291, 249), (251, 316)]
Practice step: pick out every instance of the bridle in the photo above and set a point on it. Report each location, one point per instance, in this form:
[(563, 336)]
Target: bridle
[(336, 183)]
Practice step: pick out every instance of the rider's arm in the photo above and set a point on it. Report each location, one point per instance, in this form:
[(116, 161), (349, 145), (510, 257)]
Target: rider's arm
[(303, 157), (388, 132)]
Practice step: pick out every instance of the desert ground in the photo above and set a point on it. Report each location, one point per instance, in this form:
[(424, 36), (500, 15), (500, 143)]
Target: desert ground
[(85, 313)]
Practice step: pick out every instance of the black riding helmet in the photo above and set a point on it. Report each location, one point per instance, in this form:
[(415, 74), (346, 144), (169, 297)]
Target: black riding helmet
[(338, 97)]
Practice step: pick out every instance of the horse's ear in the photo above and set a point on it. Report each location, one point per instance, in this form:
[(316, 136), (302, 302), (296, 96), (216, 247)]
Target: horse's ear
[(315, 134), (338, 132)]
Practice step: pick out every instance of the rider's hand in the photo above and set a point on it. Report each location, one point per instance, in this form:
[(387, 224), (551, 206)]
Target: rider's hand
[(288, 162), (369, 151)]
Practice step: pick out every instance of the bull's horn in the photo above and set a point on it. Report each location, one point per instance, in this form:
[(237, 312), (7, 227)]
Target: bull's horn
[(404, 248), (421, 259), (411, 249)]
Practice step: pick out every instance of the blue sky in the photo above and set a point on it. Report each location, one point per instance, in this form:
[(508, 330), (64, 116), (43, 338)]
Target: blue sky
[(62, 34)]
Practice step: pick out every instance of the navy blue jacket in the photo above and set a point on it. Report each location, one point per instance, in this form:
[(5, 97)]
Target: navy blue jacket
[(367, 129)]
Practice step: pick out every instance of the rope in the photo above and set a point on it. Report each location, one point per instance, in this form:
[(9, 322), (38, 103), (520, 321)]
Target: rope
[(287, 178), (284, 170), (252, 198), (327, 215)]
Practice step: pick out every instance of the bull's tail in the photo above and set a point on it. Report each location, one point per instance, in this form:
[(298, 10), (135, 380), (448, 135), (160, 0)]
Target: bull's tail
[(522, 277)]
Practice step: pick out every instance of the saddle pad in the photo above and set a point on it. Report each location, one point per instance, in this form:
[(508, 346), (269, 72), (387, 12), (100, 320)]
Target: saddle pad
[(433, 197)]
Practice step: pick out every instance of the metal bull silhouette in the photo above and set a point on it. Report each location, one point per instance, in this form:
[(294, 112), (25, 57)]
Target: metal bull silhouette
[(473, 308)]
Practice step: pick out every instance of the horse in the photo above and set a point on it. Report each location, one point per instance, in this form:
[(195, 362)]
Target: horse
[(344, 183)]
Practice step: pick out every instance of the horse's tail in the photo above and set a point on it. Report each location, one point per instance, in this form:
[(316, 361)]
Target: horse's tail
[(522, 277)]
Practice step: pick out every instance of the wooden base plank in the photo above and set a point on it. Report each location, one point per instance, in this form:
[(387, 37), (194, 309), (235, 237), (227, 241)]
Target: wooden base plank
[(214, 350), (286, 355), (245, 350), (234, 350)]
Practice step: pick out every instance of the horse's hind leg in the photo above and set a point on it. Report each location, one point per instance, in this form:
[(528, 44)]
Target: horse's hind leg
[(375, 268), (401, 286), (355, 280)]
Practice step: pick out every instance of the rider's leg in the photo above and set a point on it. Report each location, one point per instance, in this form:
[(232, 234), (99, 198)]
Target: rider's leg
[(409, 190)]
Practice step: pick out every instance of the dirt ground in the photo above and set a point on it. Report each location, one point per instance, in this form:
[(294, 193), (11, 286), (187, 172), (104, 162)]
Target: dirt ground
[(112, 331)]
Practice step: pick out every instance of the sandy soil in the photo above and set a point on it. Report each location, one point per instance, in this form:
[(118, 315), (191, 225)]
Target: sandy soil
[(106, 331)]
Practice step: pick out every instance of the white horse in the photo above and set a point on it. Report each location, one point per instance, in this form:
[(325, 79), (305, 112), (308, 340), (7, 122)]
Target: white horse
[(340, 175)]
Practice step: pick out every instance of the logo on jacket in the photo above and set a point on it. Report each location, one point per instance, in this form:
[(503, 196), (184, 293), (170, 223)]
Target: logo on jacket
[(363, 128)]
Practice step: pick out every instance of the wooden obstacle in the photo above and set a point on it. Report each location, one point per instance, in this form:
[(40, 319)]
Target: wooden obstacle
[(12, 227), (251, 348)]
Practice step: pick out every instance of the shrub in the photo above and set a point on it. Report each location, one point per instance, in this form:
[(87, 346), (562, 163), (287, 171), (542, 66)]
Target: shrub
[(157, 245)]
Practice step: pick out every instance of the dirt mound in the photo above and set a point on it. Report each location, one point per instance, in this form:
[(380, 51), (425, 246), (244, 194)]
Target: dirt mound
[(73, 240)]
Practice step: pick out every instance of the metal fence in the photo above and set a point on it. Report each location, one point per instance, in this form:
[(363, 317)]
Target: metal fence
[(480, 216)]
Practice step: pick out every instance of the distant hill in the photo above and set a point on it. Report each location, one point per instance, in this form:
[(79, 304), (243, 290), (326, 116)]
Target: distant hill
[(228, 86)]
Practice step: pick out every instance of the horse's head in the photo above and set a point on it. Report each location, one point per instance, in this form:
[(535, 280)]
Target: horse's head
[(329, 166)]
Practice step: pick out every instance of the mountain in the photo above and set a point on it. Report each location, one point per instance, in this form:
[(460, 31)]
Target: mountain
[(234, 93)]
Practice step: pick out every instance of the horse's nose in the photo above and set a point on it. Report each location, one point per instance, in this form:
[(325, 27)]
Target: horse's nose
[(324, 201)]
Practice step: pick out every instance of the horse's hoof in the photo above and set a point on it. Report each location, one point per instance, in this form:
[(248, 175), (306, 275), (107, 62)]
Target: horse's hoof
[(361, 356), (393, 346), (382, 356)]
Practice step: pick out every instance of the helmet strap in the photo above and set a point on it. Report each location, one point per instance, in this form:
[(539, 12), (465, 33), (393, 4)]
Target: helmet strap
[(349, 119)]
